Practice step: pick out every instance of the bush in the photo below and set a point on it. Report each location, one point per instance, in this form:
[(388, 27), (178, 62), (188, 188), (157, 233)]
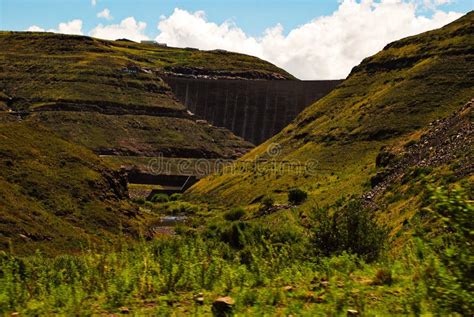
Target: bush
[(448, 275), (350, 229), (383, 277), (234, 214), (160, 198), (176, 197), (267, 202), (139, 201), (183, 208), (238, 235), (297, 196)]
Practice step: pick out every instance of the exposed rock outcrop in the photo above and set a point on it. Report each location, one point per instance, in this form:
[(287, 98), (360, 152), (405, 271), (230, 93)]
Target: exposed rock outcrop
[(443, 141)]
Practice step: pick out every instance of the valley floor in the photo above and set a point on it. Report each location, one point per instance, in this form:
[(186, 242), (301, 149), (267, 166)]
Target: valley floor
[(269, 270)]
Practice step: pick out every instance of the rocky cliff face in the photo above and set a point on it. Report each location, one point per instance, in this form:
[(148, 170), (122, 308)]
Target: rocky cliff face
[(445, 141)]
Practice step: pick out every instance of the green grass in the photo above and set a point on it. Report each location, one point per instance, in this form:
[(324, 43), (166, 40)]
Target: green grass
[(272, 270), (56, 196)]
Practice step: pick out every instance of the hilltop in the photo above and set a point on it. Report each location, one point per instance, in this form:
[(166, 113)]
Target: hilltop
[(89, 90), (385, 99)]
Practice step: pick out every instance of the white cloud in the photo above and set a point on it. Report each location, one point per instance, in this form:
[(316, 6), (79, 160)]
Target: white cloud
[(35, 28), (93, 3), (128, 28), (324, 48), (71, 27), (105, 14)]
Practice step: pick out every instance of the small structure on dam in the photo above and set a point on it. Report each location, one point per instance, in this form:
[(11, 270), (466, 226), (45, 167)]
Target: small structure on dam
[(253, 109)]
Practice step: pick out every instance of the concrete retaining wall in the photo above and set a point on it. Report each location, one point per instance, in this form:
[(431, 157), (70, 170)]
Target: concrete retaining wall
[(253, 109)]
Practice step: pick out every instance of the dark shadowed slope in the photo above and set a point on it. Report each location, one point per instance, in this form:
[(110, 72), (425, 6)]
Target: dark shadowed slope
[(55, 195)]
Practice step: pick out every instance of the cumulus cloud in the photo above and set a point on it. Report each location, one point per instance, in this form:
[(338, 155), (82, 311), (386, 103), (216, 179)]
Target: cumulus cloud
[(324, 48), (71, 27), (105, 14), (35, 28), (93, 3), (128, 28)]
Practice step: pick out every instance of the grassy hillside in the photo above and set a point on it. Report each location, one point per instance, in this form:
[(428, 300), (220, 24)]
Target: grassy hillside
[(143, 135), (57, 196), (388, 96), (274, 263), (108, 95), (40, 68), (62, 96)]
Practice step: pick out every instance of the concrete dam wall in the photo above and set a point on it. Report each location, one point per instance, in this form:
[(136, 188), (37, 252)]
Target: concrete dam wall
[(253, 109)]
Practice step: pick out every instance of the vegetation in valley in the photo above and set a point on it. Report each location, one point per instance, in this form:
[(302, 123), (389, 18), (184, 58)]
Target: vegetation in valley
[(264, 267)]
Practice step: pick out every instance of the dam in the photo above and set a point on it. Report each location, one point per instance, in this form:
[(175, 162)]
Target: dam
[(255, 110)]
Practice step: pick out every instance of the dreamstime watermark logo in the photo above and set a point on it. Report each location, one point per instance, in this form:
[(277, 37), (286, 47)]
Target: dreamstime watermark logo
[(274, 149), (269, 163)]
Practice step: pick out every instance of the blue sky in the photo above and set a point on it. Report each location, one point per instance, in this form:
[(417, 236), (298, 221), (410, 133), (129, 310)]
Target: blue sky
[(312, 39), (252, 16)]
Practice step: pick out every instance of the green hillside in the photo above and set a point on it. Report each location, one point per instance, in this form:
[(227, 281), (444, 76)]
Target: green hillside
[(55, 68), (63, 100), (109, 97), (388, 96), (57, 196)]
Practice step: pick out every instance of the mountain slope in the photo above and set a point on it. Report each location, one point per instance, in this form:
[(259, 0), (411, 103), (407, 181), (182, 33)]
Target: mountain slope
[(53, 79), (63, 100), (388, 96), (55, 195)]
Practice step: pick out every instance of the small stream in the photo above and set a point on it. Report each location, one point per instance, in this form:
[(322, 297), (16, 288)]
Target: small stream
[(165, 225)]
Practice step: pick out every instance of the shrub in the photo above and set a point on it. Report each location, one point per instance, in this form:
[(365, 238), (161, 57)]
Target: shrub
[(237, 235), (383, 277), (139, 201), (176, 197), (160, 198), (183, 208), (297, 196), (267, 202), (234, 214), (350, 229), (448, 275)]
